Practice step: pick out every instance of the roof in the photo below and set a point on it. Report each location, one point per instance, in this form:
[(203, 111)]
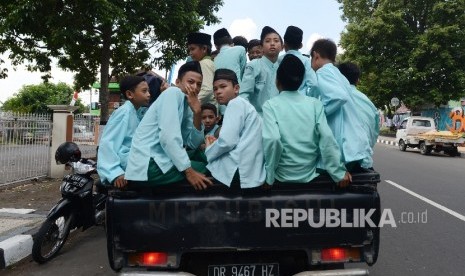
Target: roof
[(111, 85)]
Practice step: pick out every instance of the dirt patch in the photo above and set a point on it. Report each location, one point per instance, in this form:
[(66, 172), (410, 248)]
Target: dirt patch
[(40, 195)]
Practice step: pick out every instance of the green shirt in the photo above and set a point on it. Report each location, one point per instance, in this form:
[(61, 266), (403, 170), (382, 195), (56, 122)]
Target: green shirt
[(295, 136)]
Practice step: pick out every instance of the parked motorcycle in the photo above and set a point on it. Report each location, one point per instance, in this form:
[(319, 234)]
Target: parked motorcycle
[(79, 206)]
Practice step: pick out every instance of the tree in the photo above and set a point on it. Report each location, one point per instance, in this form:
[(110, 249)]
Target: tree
[(409, 49), (89, 37), (35, 98)]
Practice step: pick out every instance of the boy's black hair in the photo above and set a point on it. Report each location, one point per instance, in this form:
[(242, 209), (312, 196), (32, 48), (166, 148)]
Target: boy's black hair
[(293, 37), (189, 66), (240, 41), (222, 37), (290, 73), (253, 43), (350, 71), (130, 83), (226, 40), (211, 107), (326, 48), (226, 74)]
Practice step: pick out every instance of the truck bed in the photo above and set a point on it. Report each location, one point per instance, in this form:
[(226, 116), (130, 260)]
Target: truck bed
[(233, 223)]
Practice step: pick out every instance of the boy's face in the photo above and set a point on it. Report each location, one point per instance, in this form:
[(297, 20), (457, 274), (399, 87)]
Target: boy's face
[(197, 52), (140, 96), (272, 45), (191, 79), (255, 52), (209, 119), (225, 91)]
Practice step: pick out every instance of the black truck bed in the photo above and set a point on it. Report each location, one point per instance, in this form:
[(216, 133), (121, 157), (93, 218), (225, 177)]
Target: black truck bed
[(232, 222)]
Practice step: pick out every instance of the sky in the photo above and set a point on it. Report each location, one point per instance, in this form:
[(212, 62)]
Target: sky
[(317, 19)]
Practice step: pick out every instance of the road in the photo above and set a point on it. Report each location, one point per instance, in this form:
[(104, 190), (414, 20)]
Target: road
[(431, 244)]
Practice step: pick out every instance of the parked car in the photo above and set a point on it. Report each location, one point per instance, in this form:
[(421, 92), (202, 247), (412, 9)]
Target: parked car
[(420, 132), (81, 134)]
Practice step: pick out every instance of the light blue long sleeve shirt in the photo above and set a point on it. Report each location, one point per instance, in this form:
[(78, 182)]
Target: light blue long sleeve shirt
[(115, 142), (233, 58), (259, 82), (370, 119), (342, 114), (166, 127), (309, 83), (239, 146), (295, 136)]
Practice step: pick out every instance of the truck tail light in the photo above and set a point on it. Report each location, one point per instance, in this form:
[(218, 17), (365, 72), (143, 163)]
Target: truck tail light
[(336, 255), (160, 259), (333, 254)]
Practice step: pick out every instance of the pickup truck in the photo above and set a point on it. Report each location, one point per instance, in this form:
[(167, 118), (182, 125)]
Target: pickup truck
[(420, 132), (284, 230)]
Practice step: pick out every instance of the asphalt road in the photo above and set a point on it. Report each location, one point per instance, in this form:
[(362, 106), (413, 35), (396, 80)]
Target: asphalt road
[(428, 238)]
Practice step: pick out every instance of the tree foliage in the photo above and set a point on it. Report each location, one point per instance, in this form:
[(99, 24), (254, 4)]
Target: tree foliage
[(413, 50), (35, 98), (90, 37)]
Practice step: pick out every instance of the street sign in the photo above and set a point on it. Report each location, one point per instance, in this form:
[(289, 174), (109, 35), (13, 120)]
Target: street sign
[(394, 101)]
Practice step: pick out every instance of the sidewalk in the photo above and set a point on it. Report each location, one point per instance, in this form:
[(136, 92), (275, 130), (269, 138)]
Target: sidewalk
[(392, 141), (23, 208)]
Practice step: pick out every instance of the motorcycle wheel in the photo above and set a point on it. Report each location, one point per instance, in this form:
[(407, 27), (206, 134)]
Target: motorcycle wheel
[(51, 237)]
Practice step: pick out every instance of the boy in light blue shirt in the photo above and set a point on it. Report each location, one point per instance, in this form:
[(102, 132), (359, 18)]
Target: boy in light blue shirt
[(237, 154), (340, 108), (229, 56), (295, 132), (258, 84), (117, 136), (210, 118), (370, 115), (157, 155), (292, 44)]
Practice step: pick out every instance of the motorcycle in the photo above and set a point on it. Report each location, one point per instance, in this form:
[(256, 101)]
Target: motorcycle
[(79, 206)]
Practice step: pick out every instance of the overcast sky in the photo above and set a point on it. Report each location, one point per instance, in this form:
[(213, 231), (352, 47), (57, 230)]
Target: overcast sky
[(317, 18)]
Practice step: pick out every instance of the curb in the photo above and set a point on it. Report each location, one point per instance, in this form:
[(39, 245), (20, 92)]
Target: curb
[(395, 144), (15, 249), (16, 245)]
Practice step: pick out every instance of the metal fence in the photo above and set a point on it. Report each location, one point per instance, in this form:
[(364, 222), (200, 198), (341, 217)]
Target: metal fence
[(85, 134), (24, 146), (25, 141)]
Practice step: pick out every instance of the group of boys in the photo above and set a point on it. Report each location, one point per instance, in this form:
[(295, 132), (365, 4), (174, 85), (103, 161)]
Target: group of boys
[(284, 118)]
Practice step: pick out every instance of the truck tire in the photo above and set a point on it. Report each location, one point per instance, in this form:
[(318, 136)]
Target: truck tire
[(402, 145), (424, 149)]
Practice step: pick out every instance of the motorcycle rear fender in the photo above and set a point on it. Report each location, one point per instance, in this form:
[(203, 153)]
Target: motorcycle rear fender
[(62, 207)]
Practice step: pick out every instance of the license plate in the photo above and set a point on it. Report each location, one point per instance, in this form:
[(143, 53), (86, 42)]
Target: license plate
[(244, 270)]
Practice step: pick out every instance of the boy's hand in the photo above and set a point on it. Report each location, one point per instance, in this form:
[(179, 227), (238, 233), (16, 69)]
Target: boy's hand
[(193, 100), (345, 181), (198, 180), (120, 182), (209, 139)]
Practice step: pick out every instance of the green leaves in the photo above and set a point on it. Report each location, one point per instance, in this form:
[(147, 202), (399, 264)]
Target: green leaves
[(409, 49), (90, 37), (35, 98)]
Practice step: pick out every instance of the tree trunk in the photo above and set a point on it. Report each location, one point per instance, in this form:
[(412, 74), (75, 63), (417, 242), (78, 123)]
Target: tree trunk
[(104, 73)]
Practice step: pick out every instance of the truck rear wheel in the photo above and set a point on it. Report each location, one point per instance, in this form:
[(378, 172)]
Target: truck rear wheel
[(424, 149), (402, 145)]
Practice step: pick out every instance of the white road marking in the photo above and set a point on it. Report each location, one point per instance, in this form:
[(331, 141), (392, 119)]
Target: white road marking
[(437, 205)]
